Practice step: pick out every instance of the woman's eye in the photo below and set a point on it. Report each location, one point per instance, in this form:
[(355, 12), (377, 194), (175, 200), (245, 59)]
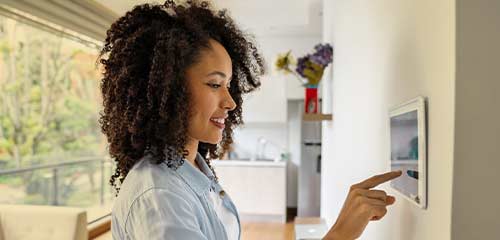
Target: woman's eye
[(216, 86), (213, 85)]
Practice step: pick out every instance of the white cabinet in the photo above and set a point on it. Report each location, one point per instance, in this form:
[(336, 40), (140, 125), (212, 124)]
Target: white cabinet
[(294, 89), (257, 188), (268, 103)]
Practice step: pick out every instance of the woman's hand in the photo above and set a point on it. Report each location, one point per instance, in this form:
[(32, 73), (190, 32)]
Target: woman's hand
[(361, 206)]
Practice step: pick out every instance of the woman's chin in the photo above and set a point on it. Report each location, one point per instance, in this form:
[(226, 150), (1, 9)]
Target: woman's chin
[(214, 140), (212, 137)]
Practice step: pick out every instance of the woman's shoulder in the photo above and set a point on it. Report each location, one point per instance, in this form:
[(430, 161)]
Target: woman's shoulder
[(146, 174), (150, 182)]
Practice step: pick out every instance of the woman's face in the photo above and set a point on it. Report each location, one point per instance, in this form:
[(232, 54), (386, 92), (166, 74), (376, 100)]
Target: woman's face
[(210, 101)]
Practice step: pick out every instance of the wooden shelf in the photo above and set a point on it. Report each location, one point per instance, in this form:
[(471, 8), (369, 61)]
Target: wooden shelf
[(316, 117)]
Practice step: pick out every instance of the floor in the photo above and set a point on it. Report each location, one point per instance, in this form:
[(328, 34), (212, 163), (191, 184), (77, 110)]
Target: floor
[(253, 231), (267, 231)]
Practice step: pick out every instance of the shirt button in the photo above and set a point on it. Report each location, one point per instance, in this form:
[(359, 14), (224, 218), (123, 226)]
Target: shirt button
[(222, 193)]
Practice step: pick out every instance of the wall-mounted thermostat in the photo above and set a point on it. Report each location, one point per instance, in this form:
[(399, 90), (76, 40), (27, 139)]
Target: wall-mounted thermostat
[(409, 150)]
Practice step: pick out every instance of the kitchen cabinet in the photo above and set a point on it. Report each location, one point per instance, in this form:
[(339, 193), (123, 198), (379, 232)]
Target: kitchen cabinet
[(268, 103), (257, 188)]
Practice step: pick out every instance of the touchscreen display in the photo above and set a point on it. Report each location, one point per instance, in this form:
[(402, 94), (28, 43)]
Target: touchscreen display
[(404, 153)]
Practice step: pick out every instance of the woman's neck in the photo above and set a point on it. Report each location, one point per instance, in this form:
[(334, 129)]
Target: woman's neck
[(192, 147)]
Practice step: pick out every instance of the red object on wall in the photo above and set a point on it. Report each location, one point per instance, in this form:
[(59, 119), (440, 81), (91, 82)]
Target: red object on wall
[(311, 100)]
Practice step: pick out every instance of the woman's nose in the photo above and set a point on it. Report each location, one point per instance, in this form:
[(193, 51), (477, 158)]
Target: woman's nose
[(228, 102)]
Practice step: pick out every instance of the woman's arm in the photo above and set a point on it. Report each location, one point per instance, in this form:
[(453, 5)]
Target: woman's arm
[(362, 205)]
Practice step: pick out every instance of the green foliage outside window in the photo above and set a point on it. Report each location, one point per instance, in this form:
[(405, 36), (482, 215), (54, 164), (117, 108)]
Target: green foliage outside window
[(49, 105)]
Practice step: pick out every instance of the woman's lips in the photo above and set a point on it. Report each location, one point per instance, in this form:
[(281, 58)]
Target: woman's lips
[(218, 122)]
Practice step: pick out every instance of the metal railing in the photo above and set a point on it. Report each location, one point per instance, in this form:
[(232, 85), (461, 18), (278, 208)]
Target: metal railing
[(55, 169)]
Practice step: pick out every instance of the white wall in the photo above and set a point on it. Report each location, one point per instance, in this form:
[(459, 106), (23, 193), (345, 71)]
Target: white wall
[(476, 194), (387, 52)]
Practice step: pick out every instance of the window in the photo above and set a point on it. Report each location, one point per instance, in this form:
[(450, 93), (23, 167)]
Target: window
[(51, 149)]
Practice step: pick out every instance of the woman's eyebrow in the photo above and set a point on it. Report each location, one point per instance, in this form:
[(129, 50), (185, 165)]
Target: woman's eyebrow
[(218, 73)]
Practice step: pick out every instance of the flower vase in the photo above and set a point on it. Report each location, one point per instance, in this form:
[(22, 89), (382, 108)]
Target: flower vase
[(311, 99)]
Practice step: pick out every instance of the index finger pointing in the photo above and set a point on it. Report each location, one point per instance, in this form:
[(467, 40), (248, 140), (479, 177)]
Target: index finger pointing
[(377, 180)]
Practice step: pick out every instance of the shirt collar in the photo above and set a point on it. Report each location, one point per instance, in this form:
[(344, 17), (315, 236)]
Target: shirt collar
[(200, 181)]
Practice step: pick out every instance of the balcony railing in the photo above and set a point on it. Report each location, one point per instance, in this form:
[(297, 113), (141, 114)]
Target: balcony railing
[(68, 183)]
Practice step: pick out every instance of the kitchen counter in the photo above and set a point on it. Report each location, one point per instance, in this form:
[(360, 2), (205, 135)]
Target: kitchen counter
[(256, 163), (257, 188)]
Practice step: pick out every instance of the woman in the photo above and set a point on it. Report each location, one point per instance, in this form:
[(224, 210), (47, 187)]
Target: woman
[(172, 90)]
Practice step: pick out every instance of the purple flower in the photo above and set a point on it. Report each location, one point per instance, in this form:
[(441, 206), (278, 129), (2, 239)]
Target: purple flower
[(323, 54), (301, 64)]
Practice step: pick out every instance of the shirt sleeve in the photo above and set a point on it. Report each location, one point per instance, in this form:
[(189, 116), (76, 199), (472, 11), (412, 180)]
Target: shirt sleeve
[(160, 214)]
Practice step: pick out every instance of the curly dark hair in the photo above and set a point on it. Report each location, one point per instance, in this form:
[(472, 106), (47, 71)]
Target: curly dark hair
[(145, 57)]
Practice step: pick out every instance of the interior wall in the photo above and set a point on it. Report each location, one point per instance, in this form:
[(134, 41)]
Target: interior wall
[(387, 52), (477, 122)]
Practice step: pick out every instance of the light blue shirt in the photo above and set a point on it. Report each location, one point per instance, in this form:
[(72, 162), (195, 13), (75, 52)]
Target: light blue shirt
[(156, 202)]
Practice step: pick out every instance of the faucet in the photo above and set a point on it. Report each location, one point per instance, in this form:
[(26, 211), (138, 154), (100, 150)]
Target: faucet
[(261, 142), (260, 149)]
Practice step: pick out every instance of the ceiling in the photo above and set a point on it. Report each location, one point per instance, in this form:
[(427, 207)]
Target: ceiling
[(261, 17)]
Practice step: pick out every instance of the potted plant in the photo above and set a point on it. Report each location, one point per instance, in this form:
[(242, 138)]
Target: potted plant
[(308, 70)]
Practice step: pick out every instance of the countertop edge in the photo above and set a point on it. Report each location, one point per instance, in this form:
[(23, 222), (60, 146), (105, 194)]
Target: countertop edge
[(247, 163)]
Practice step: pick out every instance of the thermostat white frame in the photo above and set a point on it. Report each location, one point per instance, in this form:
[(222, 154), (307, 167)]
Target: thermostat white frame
[(419, 104)]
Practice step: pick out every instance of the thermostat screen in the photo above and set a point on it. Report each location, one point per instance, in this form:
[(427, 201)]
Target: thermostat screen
[(404, 153)]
